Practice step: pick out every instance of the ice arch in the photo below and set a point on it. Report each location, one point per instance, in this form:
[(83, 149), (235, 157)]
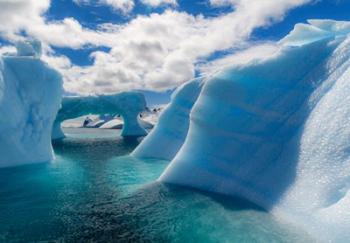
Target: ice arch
[(127, 104), (30, 96)]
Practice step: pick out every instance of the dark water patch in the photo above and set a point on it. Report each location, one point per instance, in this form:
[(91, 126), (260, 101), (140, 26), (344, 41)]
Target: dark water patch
[(163, 213)]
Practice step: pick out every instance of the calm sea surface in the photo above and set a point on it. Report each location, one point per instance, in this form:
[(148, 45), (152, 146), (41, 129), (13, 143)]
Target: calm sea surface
[(95, 192)]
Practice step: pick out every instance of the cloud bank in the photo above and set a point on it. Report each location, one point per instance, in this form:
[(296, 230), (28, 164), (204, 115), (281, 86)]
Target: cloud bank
[(158, 51)]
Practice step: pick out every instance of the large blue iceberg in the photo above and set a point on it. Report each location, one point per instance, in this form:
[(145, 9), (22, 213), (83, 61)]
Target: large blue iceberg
[(276, 131), (127, 104), (30, 96)]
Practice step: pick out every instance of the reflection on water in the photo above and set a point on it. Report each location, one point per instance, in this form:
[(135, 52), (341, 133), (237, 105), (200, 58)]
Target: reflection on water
[(93, 145), (94, 192)]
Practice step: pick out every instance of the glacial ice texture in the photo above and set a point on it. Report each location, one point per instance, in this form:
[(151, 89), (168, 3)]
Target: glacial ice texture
[(172, 127), (30, 96), (276, 132)]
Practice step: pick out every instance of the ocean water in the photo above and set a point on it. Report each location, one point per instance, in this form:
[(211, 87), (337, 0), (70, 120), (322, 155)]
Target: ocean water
[(95, 192)]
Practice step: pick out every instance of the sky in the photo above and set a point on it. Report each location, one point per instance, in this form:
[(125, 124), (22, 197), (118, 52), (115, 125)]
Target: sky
[(108, 46)]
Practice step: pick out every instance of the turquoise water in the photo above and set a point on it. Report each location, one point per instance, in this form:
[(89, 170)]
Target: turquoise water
[(95, 192)]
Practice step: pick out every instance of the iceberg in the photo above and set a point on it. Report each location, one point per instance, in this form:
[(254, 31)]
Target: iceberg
[(116, 123), (30, 96), (255, 111), (172, 127), (128, 104), (276, 132)]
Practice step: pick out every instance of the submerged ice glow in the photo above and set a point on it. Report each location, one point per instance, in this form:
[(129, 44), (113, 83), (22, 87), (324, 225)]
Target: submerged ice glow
[(92, 193)]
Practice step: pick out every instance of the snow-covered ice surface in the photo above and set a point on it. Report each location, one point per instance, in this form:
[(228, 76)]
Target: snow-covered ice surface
[(171, 130), (116, 123), (275, 131), (151, 118), (30, 96), (147, 121), (128, 104)]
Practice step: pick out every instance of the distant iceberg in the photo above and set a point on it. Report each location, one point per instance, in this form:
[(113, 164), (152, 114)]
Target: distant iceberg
[(116, 123), (128, 104), (30, 96), (275, 131), (172, 127)]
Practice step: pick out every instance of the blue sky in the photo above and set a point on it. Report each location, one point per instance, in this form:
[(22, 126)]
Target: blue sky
[(91, 16), (107, 46), (327, 9)]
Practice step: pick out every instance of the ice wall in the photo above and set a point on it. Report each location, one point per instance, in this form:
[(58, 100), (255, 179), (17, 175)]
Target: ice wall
[(320, 195), (30, 95), (127, 104), (277, 132), (171, 129)]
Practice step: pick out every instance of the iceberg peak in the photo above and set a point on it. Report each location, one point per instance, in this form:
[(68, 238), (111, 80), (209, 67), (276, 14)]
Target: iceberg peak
[(316, 30), (29, 48)]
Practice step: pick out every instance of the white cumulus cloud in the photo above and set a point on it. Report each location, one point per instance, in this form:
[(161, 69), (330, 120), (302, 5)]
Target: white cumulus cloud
[(156, 3), (158, 51), (126, 6)]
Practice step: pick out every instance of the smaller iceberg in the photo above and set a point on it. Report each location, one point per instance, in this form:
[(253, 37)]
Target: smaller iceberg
[(128, 104), (116, 123), (30, 96), (171, 130)]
